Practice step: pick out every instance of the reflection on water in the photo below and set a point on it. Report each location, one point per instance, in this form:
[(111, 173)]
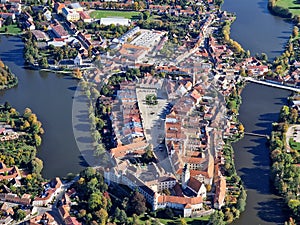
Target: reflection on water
[(261, 106), (50, 96)]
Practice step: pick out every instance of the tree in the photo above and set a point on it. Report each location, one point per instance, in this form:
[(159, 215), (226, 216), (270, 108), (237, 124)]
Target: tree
[(295, 31), (181, 221), (217, 218), (284, 113), (37, 140), (20, 215), (122, 216), (95, 201), (36, 165), (44, 63), (241, 128), (102, 216), (137, 203), (241, 202), (100, 150)]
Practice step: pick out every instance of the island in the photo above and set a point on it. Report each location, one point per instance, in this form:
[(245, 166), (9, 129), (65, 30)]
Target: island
[(164, 83), (7, 78)]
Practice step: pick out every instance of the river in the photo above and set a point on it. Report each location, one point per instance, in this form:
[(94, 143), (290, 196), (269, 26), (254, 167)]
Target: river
[(259, 109), (51, 97), (256, 29), (259, 31)]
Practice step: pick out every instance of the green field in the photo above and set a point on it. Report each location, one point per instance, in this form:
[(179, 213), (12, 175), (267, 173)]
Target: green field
[(190, 221), (11, 29), (294, 145), (98, 14), (291, 5)]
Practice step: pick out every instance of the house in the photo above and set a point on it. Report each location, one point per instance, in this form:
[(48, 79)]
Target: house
[(58, 7), (48, 15), (5, 15), (85, 17), (40, 35), (9, 173), (186, 204), (44, 218), (76, 6), (70, 15), (51, 190), (220, 192), (78, 60), (59, 31)]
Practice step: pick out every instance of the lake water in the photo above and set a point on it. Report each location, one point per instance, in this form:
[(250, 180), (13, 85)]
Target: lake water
[(51, 97)]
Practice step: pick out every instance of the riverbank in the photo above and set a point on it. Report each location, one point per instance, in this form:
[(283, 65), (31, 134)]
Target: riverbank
[(7, 78), (285, 8)]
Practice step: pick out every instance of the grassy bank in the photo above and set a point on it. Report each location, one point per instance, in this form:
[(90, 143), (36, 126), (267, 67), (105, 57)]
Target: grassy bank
[(11, 29), (98, 14), (292, 5)]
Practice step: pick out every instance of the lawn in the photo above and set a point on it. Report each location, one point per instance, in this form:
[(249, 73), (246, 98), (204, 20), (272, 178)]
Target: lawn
[(294, 145), (291, 5), (190, 221), (97, 14), (11, 29)]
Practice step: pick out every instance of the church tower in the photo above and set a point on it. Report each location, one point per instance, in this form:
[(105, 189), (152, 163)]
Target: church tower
[(185, 176)]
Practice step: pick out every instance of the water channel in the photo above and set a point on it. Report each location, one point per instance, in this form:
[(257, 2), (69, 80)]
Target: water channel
[(51, 97), (259, 31)]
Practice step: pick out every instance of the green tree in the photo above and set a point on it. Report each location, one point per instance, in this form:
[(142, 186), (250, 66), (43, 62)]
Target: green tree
[(241, 202), (217, 218), (102, 216), (20, 215), (37, 165), (95, 201)]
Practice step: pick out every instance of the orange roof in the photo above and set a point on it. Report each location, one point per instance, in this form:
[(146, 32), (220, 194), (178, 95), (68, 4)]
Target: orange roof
[(135, 148), (195, 94), (193, 160), (179, 200), (220, 190)]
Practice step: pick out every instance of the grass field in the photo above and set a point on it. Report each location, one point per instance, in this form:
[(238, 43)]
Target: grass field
[(190, 221), (294, 145), (11, 29), (291, 5), (97, 14)]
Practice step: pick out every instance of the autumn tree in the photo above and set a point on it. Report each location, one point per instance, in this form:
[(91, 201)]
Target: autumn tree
[(137, 204)]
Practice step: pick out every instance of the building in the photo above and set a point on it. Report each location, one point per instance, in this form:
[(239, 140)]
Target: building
[(58, 7), (9, 173), (76, 6), (59, 31), (51, 190), (85, 17), (186, 204), (115, 20), (78, 60), (70, 15)]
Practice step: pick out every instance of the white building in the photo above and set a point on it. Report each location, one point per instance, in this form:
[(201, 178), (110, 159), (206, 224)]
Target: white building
[(78, 60), (70, 15), (115, 21)]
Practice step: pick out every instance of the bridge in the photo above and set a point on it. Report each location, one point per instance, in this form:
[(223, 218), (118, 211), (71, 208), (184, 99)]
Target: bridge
[(281, 86), (257, 135)]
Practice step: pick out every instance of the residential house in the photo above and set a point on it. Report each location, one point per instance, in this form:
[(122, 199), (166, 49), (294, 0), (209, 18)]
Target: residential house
[(51, 190), (70, 15)]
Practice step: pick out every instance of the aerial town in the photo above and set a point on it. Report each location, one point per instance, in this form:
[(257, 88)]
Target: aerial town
[(168, 80)]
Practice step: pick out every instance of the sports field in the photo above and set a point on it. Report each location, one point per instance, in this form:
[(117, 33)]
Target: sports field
[(98, 14)]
